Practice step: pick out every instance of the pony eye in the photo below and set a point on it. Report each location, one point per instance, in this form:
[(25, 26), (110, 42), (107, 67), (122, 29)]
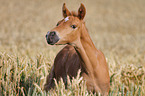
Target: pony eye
[(73, 26), (57, 24)]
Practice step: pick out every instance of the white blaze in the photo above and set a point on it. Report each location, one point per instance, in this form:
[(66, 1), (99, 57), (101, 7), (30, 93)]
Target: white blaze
[(66, 19)]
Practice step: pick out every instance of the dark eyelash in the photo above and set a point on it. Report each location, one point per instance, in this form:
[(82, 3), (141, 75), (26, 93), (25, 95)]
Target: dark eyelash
[(73, 26)]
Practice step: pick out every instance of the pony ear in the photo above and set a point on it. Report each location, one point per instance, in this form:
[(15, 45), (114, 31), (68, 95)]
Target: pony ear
[(65, 11), (81, 12)]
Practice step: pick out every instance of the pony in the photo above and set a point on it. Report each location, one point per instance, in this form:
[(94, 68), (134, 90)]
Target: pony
[(79, 53)]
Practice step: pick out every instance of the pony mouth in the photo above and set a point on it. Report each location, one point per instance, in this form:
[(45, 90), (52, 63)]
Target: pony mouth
[(51, 41)]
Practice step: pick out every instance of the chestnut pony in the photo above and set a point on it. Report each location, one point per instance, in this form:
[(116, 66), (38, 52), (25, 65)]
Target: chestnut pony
[(79, 53)]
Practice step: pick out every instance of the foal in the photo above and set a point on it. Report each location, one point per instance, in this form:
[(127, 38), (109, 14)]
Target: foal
[(72, 30)]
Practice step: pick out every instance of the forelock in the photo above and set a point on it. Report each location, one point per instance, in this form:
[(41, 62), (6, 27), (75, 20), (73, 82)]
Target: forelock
[(73, 13)]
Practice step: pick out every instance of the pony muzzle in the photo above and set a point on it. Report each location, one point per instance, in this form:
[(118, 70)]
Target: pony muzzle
[(52, 37)]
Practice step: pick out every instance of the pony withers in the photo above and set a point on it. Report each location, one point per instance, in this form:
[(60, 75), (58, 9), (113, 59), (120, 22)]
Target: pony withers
[(79, 53)]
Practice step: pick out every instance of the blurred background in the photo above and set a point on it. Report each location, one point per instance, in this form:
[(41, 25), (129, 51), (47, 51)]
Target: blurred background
[(117, 27)]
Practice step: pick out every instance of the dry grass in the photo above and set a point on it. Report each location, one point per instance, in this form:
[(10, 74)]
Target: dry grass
[(117, 27)]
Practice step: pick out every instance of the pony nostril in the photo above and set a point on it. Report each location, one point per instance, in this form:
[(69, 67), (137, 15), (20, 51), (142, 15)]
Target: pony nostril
[(46, 35), (52, 33)]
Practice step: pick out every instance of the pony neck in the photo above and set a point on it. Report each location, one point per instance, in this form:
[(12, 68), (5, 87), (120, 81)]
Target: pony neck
[(94, 63), (86, 49), (85, 39)]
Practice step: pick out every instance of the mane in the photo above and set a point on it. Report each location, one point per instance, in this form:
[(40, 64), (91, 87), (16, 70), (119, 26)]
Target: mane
[(73, 13)]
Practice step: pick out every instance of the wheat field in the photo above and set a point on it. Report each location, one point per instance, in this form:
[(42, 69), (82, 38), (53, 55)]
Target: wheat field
[(117, 28)]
